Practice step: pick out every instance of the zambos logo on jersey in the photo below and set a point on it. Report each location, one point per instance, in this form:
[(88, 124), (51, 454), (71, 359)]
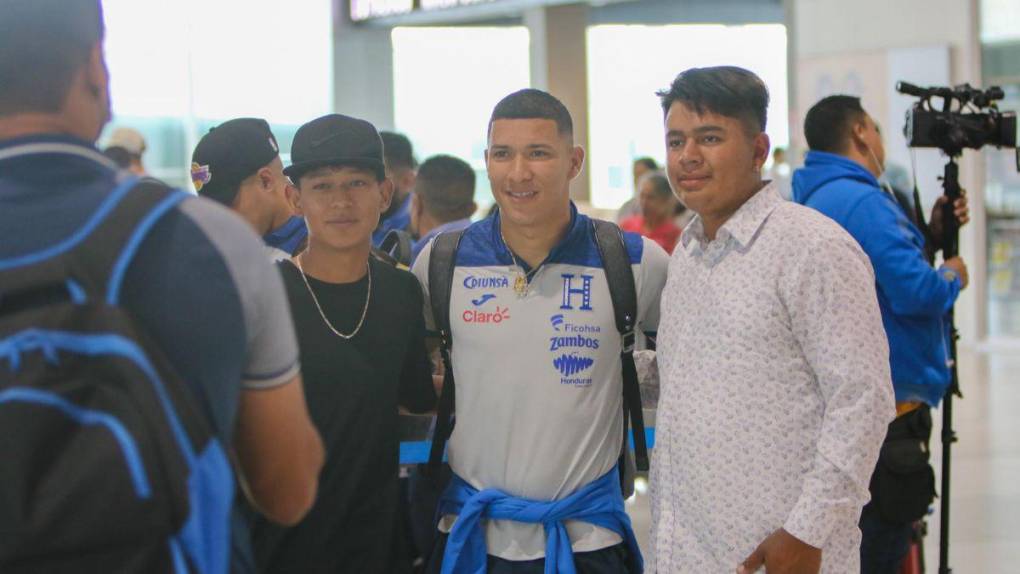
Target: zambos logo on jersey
[(569, 365), (575, 342), (472, 282), (472, 316)]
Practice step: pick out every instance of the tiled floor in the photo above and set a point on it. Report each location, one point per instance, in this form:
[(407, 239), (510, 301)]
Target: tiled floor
[(986, 469)]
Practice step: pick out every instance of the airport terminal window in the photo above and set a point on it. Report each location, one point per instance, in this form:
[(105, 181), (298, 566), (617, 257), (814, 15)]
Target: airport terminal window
[(445, 108), (1002, 204), (174, 81), (1000, 39), (627, 64), (1000, 20)]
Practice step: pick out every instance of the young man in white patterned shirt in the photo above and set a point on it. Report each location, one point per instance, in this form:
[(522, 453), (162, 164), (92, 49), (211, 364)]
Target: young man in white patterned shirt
[(775, 378)]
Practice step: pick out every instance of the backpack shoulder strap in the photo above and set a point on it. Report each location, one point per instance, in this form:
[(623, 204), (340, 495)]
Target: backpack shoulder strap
[(442, 262), (109, 250), (622, 291), (91, 263), (398, 245), (619, 275)]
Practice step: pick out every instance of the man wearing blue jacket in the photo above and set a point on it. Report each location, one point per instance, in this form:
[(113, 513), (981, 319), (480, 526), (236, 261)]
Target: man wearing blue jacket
[(840, 179)]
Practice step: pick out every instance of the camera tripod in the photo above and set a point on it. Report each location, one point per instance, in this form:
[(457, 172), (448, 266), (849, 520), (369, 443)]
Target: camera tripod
[(950, 248)]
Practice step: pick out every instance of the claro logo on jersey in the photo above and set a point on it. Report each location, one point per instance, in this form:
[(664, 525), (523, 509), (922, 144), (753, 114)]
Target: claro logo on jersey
[(473, 282), (496, 317)]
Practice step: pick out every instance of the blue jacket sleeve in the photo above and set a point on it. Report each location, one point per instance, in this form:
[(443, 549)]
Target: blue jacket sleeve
[(904, 277)]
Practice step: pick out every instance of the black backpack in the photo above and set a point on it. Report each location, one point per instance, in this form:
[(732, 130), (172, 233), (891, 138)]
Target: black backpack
[(108, 463), (623, 293)]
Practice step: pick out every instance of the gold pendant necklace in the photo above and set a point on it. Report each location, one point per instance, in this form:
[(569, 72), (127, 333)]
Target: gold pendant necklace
[(521, 283)]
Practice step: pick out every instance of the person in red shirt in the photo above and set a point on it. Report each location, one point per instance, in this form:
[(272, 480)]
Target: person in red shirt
[(658, 208)]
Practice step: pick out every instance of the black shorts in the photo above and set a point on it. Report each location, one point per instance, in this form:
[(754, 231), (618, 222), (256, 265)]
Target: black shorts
[(611, 560)]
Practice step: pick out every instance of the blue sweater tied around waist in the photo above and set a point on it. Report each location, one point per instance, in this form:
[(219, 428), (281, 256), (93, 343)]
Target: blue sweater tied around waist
[(599, 503)]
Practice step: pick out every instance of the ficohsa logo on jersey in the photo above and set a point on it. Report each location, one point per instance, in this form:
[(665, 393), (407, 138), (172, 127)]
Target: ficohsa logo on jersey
[(496, 317)]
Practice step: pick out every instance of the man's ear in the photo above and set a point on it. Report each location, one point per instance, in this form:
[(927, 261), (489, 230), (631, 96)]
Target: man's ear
[(96, 78), (576, 161), (265, 179), (857, 135), (762, 145), (386, 189), (294, 199)]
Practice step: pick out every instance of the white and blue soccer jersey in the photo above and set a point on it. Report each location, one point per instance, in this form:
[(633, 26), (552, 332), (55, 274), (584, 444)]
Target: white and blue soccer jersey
[(539, 398)]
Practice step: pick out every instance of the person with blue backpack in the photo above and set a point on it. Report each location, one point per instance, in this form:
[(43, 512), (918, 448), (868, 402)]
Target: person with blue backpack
[(147, 357)]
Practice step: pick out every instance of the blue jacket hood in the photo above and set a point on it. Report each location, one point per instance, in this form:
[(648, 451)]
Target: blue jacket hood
[(821, 168)]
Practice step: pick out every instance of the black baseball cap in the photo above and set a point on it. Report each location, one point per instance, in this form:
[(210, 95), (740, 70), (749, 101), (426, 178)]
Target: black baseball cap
[(336, 140), (230, 153)]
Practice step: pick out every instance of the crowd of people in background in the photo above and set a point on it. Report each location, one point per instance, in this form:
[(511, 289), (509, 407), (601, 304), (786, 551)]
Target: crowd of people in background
[(797, 320)]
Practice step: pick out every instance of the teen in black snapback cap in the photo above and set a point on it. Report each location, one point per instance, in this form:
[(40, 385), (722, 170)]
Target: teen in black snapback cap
[(336, 140), (361, 335)]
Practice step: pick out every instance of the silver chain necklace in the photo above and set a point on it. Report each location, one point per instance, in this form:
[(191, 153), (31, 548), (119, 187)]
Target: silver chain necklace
[(364, 312)]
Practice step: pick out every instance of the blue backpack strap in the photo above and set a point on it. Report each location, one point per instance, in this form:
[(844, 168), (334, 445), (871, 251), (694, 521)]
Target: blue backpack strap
[(90, 264)]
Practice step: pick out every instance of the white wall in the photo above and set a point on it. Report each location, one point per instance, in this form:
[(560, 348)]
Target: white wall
[(867, 34)]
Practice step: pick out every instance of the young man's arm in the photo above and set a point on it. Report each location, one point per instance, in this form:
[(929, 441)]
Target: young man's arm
[(279, 451), (835, 318)]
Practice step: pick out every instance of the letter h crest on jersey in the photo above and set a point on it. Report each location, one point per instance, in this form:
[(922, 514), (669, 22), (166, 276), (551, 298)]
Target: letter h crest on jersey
[(570, 291)]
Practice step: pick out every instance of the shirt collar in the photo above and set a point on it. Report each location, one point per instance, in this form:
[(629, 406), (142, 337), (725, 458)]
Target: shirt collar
[(743, 225), (577, 232), (53, 144)]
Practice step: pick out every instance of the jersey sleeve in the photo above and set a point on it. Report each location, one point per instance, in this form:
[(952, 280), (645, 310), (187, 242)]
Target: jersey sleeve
[(271, 357), (650, 278)]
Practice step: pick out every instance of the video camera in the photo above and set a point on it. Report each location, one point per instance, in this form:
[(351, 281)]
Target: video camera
[(972, 123)]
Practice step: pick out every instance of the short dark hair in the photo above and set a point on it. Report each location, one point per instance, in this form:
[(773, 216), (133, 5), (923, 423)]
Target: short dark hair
[(647, 162), (725, 90), (120, 156), (531, 104), (397, 151), (446, 187), (828, 123), (659, 181), (42, 44)]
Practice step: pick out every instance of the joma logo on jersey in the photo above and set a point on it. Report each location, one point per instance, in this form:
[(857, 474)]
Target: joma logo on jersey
[(501, 314), (472, 282), (570, 291)]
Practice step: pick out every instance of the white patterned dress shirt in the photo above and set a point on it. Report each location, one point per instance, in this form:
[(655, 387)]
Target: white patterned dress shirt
[(775, 390)]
